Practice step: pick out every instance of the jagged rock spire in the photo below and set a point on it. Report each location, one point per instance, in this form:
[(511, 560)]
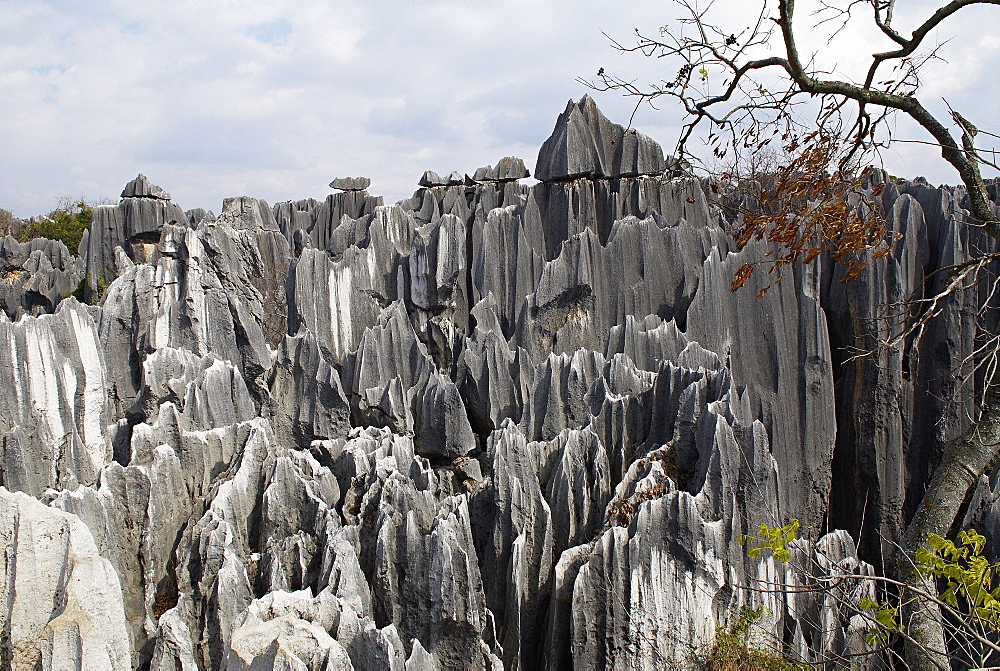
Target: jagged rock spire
[(584, 143), (141, 187)]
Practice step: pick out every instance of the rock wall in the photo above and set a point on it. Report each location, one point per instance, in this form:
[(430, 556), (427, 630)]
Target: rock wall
[(490, 426)]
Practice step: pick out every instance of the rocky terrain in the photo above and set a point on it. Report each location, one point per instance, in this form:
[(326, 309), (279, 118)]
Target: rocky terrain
[(495, 425)]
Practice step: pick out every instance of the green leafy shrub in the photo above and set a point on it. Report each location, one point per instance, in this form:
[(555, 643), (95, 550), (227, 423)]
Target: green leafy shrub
[(966, 589), (773, 539), (94, 297), (967, 575), (66, 223), (733, 649)]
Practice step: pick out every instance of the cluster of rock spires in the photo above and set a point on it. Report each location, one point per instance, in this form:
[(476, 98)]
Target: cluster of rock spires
[(491, 426)]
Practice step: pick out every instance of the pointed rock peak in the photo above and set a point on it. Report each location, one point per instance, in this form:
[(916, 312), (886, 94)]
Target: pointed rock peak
[(585, 144), (141, 187), (430, 179)]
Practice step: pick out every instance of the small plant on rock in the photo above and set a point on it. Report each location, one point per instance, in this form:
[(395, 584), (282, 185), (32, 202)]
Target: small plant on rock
[(734, 650)]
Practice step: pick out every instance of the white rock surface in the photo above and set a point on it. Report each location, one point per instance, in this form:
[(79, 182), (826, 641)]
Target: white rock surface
[(62, 601)]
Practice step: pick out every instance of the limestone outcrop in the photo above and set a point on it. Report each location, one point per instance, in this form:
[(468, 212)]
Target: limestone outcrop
[(36, 275), (62, 601), (493, 425)]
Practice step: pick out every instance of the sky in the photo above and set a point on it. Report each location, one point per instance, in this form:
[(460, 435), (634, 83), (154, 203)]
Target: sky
[(219, 98)]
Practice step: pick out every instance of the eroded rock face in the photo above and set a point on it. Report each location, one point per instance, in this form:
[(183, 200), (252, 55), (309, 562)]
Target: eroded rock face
[(62, 600), (491, 426), (350, 183), (55, 406), (133, 225), (141, 187), (35, 275), (585, 143)]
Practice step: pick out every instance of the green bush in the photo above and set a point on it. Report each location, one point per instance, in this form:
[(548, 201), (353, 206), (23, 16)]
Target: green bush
[(734, 651), (66, 223), (94, 297)]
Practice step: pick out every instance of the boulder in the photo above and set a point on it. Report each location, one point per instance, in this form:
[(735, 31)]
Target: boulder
[(509, 169), (36, 275), (431, 179), (350, 183)]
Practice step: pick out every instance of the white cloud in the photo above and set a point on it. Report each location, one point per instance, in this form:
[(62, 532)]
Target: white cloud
[(274, 99)]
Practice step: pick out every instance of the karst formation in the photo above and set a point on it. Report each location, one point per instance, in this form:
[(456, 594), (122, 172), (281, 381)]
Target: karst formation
[(497, 425)]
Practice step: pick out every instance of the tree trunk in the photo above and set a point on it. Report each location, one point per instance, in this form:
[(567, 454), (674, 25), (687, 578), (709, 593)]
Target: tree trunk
[(964, 459)]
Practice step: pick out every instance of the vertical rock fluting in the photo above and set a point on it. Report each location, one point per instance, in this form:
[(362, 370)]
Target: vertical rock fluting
[(490, 426)]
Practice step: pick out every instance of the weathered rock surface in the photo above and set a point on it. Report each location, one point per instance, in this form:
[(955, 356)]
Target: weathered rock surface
[(393, 382), (585, 143), (133, 225), (318, 220), (62, 601), (35, 275), (55, 407), (350, 183), (509, 169), (141, 187), (454, 178), (491, 426)]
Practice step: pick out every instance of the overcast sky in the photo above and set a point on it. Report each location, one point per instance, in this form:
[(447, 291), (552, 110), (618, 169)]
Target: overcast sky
[(216, 98)]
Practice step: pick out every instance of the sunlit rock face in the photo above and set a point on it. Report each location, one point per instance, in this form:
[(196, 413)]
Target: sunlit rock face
[(490, 426)]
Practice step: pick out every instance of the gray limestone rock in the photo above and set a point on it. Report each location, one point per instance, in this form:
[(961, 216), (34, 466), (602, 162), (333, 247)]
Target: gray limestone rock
[(214, 557), (585, 144), (393, 382), (492, 376), (337, 297), (173, 649), (196, 295), (334, 300), (755, 340), (133, 225), (431, 179), (506, 265), (517, 548), (350, 183), (35, 275), (196, 216), (55, 405), (285, 643), (318, 220), (306, 400), (244, 212), (581, 294), (578, 487), (509, 169), (207, 391), (141, 187), (491, 426), (418, 543), (62, 600)]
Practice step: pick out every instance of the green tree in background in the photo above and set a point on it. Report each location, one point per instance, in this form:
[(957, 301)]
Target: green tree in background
[(66, 223)]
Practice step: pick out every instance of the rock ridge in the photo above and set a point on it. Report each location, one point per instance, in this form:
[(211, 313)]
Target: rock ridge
[(492, 425)]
